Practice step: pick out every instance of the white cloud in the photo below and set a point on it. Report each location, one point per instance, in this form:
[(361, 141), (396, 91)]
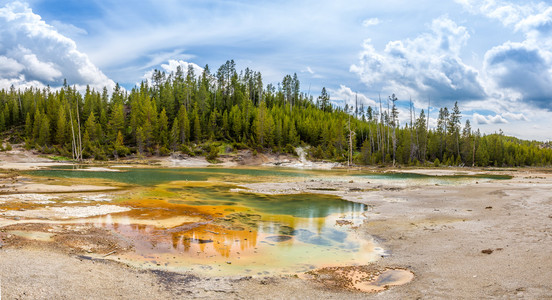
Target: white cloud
[(428, 65), (519, 72), (507, 13), (311, 72), (160, 57), (171, 67), (35, 53), (515, 117), (10, 67), (349, 97), (482, 120), (68, 29), (532, 19), (370, 22)]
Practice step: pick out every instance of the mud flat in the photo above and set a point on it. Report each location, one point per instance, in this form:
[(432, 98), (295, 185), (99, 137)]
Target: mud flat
[(474, 237)]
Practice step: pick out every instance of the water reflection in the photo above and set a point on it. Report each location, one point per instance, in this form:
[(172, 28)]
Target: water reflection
[(195, 225), (190, 217)]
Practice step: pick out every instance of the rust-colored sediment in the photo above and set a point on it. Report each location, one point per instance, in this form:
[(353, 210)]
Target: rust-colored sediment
[(368, 279)]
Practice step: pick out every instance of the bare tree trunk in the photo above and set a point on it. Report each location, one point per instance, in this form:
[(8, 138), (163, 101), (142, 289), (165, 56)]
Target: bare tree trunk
[(79, 153), (382, 133), (473, 161), (388, 128), (73, 142)]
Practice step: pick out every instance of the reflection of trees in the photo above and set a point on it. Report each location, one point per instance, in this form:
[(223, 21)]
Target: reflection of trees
[(223, 233), (214, 239)]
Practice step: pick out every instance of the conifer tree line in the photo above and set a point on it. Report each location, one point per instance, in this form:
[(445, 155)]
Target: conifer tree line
[(226, 110)]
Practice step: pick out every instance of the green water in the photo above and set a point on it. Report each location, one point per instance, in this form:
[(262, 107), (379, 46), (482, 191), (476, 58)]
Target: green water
[(155, 176), (227, 232), (188, 217), (297, 205)]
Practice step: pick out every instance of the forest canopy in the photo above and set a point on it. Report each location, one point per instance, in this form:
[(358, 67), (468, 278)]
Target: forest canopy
[(226, 110)]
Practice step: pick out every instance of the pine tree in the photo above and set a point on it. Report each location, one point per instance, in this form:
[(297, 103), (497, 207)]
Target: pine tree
[(117, 121), (28, 126), (184, 125), (44, 131), (260, 124), (175, 134), (163, 129), (421, 132), (91, 127), (61, 127), (197, 126), (454, 128), (140, 140)]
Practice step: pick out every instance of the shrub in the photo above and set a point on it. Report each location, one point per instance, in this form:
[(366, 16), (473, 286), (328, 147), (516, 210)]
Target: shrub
[(290, 149), (163, 151), (186, 150), (212, 154)]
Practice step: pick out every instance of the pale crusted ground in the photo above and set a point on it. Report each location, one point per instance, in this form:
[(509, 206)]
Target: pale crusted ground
[(480, 239)]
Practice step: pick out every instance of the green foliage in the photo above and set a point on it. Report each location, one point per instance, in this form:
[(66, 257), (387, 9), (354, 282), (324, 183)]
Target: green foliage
[(212, 153), (178, 112)]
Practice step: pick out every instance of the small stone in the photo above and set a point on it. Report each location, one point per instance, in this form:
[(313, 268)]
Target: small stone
[(487, 251), (229, 262)]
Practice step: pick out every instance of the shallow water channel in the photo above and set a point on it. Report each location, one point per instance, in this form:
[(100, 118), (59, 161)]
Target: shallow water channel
[(191, 219)]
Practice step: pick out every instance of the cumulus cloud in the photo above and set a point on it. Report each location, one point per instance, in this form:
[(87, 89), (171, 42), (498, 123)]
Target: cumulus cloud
[(519, 71), (505, 12), (346, 96), (171, 67), (370, 22), (482, 120), (426, 66), (515, 117), (33, 53), (522, 71)]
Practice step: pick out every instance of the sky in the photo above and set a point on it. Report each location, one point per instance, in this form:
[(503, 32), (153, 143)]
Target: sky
[(493, 57)]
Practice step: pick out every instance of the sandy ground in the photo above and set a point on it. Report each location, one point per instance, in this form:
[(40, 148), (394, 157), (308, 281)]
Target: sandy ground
[(472, 240)]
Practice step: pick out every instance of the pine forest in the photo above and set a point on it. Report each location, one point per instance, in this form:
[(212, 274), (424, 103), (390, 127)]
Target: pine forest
[(219, 112)]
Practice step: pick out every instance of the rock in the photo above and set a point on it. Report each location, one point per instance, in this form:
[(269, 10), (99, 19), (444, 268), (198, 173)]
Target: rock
[(487, 251)]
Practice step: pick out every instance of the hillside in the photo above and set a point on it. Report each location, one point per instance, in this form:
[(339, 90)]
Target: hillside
[(225, 111)]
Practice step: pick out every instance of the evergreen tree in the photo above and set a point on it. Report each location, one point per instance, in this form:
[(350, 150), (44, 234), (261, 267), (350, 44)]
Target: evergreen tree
[(61, 127), (163, 129)]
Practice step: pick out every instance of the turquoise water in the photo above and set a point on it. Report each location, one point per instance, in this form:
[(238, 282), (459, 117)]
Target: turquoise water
[(155, 176)]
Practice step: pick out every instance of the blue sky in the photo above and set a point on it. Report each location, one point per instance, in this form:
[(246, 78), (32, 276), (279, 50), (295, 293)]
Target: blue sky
[(494, 57)]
